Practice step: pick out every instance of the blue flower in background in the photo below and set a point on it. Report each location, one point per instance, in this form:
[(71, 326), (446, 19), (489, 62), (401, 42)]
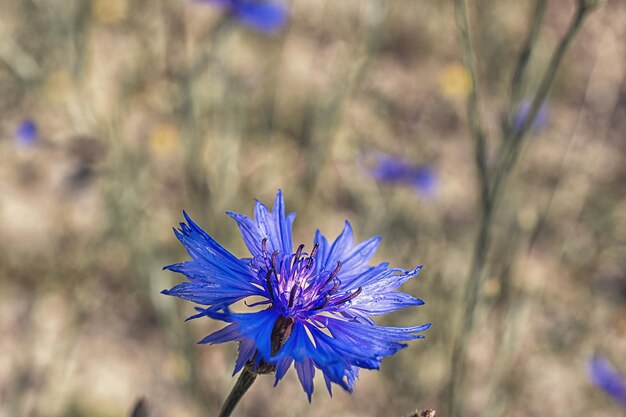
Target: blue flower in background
[(607, 378), (26, 133), (541, 118), (318, 304), (391, 169), (261, 15)]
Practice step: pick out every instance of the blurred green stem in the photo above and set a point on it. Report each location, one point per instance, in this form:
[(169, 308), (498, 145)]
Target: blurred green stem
[(473, 109), (512, 144), (518, 82), (243, 384), (492, 191)]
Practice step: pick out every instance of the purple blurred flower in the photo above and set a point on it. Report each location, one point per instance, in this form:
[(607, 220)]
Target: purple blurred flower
[(607, 378), (395, 170), (318, 305), (541, 118), (26, 133), (264, 16)]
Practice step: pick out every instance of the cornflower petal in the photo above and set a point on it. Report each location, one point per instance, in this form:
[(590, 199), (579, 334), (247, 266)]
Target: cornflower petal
[(272, 227), (391, 169), (607, 378), (264, 16), (26, 133)]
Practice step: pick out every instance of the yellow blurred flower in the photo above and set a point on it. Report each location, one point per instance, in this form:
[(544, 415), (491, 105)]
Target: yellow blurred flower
[(163, 138), (57, 85), (109, 11), (454, 81)]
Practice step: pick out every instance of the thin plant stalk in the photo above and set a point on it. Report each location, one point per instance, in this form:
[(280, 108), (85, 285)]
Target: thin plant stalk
[(243, 384), (457, 370), (518, 82), (473, 108), (494, 184)]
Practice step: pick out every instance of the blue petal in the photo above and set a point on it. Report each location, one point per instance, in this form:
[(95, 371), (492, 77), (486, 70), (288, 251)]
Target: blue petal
[(300, 348), (205, 294), (247, 348), (217, 278), (359, 256), (306, 372), (258, 327), (204, 249), (380, 341), (340, 356), (322, 251), (607, 378), (354, 259), (380, 279), (26, 133), (374, 304), (424, 180), (276, 227), (265, 17), (352, 345), (282, 366), (227, 334), (392, 169), (329, 387), (201, 272), (283, 223), (340, 246)]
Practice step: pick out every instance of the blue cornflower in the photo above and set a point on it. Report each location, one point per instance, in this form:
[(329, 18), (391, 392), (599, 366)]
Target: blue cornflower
[(260, 15), (541, 118), (607, 378), (395, 170), (26, 133), (318, 304)]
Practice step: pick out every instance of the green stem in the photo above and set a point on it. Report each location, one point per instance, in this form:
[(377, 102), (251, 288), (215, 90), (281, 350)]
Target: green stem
[(518, 81), (243, 384), (510, 152), (459, 348), (473, 109), (492, 191)]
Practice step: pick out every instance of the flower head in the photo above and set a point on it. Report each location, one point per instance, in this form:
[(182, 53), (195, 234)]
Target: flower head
[(26, 133), (607, 378), (317, 304), (260, 15), (391, 169)]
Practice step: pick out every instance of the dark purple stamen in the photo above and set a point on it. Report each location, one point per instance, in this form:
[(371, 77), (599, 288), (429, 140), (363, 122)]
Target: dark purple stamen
[(298, 254), (314, 251), (264, 245), (349, 297), (292, 295), (274, 255), (268, 280), (333, 274), (260, 303), (334, 288)]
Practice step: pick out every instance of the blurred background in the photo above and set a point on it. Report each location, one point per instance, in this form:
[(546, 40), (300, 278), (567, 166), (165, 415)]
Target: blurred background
[(119, 114)]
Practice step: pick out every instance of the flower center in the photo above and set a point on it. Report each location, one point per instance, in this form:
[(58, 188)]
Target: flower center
[(297, 287)]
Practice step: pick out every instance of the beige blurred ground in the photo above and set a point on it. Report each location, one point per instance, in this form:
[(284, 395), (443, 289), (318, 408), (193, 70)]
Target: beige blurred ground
[(128, 140)]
